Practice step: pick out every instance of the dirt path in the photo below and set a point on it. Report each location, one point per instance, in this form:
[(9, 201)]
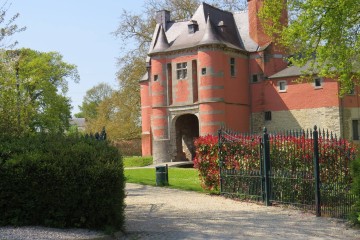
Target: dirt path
[(162, 213)]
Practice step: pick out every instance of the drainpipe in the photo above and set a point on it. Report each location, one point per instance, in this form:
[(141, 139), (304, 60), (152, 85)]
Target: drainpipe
[(250, 97)]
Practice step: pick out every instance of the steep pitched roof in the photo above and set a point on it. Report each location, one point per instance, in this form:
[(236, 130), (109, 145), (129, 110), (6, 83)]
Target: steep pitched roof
[(208, 19), (210, 36), (161, 43), (242, 27)]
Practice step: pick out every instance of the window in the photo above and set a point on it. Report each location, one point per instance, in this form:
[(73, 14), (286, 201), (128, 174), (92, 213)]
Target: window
[(257, 77), (318, 83), (203, 71), (232, 67), (156, 77), (355, 130), (181, 70), (254, 78), (268, 116), (351, 90), (282, 85), (193, 26)]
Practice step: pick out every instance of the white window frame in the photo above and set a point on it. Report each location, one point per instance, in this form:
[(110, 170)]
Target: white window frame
[(181, 70), (285, 86)]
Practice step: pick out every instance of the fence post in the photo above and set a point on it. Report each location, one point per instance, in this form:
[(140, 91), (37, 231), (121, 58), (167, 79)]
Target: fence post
[(316, 172), (266, 160), (220, 159)]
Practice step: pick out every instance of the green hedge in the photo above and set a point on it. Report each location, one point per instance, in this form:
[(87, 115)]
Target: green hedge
[(60, 181), (355, 171)]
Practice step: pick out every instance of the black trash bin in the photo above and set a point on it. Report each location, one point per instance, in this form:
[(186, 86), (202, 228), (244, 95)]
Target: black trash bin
[(162, 178)]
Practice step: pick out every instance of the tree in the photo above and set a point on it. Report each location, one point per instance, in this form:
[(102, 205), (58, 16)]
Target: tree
[(323, 34), (32, 94), (8, 27), (93, 98)]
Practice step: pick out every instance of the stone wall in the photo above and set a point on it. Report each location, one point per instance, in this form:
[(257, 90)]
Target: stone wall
[(324, 118), (349, 114)]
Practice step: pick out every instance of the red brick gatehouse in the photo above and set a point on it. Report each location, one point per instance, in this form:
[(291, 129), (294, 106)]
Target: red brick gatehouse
[(219, 68)]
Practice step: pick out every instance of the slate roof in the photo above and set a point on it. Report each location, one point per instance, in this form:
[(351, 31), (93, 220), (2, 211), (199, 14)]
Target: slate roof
[(175, 35), (292, 71)]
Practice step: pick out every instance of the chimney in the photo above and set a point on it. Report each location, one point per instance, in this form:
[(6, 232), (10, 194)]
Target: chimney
[(256, 30), (163, 17)]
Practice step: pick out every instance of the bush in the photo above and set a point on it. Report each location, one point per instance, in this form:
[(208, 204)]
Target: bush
[(355, 172), (131, 147), (59, 181), (292, 155), (206, 161)]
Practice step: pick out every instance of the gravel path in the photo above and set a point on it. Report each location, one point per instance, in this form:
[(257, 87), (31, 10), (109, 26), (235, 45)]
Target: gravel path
[(43, 233), (162, 213)]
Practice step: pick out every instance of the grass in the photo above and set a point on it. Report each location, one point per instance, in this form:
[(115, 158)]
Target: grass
[(136, 161), (179, 178)]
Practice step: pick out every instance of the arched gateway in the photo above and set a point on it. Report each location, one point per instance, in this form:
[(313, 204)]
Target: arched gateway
[(186, 130)]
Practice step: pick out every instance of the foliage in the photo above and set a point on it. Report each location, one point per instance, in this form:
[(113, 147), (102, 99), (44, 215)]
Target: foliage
[(287, 153), (58, 181), (206, 161), (32, 94), (355, 172), (179, 178), (93, 98), (137, 161), (314, 31), (103, 106), (131, 147), (8, 27)]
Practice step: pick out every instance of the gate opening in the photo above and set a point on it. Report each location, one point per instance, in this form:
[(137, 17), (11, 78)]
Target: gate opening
[(187, 129)]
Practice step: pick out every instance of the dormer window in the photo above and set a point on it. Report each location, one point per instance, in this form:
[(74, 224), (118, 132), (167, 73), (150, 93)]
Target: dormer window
[(193, 26), (222, 26)]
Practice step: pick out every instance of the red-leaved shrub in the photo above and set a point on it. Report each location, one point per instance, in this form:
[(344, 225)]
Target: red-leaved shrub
[(287, 153)]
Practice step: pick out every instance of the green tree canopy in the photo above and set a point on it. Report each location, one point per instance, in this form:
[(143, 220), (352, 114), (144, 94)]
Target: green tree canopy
[(32, 93), (93, 98), (325, 34)]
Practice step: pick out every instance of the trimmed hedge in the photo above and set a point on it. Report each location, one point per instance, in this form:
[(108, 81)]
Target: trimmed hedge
[(59, 181)]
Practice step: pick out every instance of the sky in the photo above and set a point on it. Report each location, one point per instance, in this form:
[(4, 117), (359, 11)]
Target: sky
[(80, 30)]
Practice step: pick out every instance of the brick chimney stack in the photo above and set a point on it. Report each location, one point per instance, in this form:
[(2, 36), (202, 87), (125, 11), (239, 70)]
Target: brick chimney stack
[(163, 17), (256, 30)]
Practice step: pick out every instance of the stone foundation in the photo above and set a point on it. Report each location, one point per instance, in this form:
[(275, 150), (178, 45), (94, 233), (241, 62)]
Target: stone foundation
[(324, 118)]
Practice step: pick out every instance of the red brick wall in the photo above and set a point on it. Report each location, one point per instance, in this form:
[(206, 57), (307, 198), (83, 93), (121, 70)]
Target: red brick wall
[(145, 118), (182, 88), (266, 97), (159, 123), (158, 88)]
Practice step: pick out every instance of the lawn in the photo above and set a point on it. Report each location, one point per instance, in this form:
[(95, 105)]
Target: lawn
[(136, 161), (179, 178)]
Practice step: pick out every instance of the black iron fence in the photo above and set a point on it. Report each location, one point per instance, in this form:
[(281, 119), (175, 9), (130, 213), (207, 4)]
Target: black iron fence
[(309, 169)]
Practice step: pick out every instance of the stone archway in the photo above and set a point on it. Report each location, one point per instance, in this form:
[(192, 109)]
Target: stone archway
[(187, 129)]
